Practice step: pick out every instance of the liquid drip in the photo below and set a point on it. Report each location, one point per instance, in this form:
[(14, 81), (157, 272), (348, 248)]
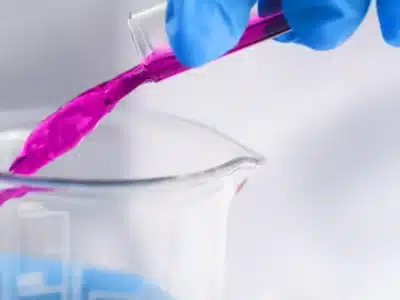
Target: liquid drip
[(66, 128)]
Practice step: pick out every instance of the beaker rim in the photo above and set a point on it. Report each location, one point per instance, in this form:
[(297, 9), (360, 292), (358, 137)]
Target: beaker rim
[(249, 160)]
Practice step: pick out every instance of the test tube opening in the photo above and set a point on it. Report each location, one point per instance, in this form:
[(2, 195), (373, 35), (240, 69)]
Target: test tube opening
[(139, 36)]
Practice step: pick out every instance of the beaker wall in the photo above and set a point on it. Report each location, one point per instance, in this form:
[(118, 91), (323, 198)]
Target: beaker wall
[(175, 240), (152, 228)]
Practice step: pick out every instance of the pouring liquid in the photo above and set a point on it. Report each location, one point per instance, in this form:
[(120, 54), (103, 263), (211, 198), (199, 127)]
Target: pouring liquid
[(67, 127)]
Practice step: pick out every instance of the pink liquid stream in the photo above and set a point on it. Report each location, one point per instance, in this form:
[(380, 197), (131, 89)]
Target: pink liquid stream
[(66, 128)]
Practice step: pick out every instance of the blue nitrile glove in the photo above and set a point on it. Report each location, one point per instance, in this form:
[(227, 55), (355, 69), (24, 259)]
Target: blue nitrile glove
[(202, 30), (28, 278)]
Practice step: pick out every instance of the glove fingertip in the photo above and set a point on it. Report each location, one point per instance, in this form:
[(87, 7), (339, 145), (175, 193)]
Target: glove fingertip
[(391, 36), (389, 22), (395, 42)]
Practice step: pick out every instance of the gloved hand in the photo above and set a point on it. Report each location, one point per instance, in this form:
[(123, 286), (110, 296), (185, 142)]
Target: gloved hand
[(202, 30)]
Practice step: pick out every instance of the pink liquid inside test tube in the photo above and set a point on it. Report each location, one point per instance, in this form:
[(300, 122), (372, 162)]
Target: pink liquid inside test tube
[(66, 128)]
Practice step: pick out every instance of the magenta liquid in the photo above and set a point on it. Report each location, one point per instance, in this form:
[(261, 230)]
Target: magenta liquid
[(65, 128)]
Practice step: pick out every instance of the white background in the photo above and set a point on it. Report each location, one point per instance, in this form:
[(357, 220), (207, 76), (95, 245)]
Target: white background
[(321, 221)]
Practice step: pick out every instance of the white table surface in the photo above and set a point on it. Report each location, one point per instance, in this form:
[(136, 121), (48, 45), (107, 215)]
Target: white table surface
[(321, 221)]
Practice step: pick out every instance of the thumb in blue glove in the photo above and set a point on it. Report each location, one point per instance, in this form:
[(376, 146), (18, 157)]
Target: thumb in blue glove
[(200, 31)]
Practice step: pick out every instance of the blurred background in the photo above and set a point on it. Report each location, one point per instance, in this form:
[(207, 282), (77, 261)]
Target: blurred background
[(321, 220)]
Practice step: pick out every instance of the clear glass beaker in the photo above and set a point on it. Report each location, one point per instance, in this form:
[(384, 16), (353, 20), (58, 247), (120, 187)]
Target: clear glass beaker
[(137, 211)]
